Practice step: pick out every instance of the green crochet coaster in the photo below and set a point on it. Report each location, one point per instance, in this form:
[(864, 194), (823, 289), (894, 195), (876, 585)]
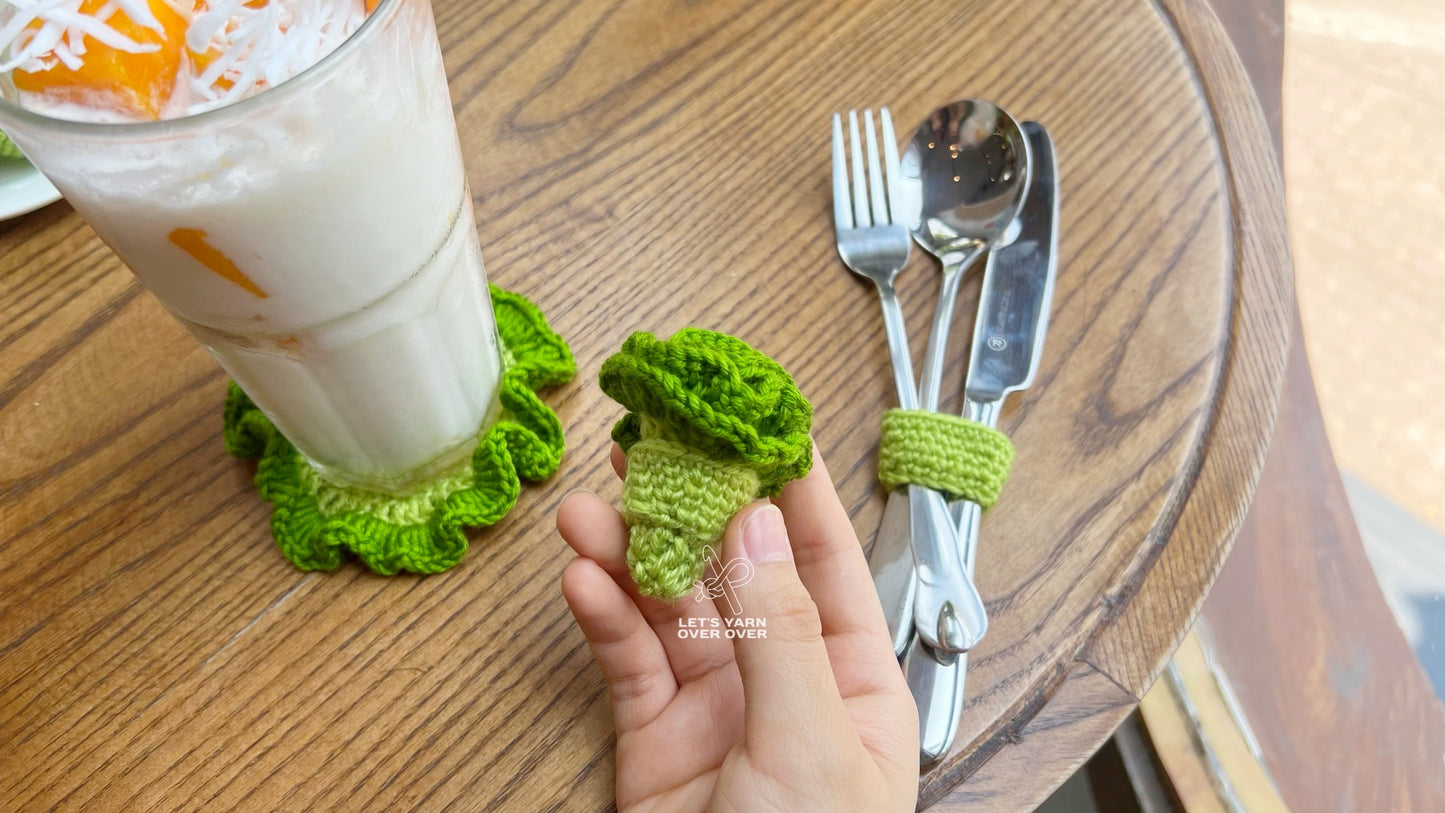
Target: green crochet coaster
[(712, 425), (314, 521), (948, 453)]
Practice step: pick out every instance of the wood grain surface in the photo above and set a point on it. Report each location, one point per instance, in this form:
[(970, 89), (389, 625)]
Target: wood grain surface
[(1260, 253), (642, 164)]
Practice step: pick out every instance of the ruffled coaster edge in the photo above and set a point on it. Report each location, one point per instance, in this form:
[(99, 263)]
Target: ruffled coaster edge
[(315, 522)]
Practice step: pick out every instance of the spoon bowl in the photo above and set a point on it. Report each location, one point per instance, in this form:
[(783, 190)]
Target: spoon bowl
[(962, 181), (964, 175)]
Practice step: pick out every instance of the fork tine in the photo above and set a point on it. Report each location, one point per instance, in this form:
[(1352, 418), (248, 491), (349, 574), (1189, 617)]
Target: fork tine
[(860, 184), (842, 211), (876, 183), (890, 160)]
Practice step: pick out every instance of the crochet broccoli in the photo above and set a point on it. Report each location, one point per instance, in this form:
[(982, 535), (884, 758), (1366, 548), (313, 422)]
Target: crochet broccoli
[(712, 425)]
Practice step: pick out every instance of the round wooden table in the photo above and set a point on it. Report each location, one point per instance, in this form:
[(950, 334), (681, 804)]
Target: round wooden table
[(639, 164)]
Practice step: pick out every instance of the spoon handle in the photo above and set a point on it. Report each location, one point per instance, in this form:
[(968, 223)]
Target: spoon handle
[(948, 613), (937, 679), (954, 266)]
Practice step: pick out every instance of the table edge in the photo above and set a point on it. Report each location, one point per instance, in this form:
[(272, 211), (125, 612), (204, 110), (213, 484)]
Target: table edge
[(1210, 508)]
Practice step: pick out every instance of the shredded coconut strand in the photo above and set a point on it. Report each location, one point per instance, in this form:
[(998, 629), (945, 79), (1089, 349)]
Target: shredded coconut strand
[(237, 49), (254, 48), (62, 29)]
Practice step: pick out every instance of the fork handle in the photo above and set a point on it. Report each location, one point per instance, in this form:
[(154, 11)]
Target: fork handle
[(891, 560), (897, 334)]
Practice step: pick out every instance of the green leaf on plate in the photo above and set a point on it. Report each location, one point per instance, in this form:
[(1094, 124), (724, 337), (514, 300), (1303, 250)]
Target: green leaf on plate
[(8, 148)]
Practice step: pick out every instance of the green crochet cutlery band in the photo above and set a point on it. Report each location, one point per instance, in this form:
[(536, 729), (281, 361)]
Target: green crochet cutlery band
[(949, 453), (315, 522), (712, 425)]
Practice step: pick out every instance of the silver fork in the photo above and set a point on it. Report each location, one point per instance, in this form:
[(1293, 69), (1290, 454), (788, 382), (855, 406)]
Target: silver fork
[(948, 613)]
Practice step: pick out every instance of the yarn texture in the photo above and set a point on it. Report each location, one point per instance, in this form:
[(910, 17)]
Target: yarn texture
[(314, 522), (712, 425), (948, 453)]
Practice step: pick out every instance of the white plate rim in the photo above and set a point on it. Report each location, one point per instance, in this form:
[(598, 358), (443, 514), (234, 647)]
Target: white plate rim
[(23, 189)]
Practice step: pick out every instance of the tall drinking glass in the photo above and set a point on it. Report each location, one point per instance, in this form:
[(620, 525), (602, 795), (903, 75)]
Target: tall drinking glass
[(318, 239)]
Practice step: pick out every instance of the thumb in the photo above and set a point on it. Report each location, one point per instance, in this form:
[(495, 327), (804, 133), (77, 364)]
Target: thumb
[(788, 683)]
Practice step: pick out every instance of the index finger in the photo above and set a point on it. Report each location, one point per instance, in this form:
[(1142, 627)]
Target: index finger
[(829, 558)]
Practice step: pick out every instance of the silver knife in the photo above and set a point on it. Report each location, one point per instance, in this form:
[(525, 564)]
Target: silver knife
[(1008, 339), (891, 563)]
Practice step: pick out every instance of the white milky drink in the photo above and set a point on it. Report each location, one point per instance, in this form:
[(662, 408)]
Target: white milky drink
[(316, 237)]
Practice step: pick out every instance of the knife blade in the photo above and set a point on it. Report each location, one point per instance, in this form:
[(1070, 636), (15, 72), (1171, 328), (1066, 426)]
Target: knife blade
[(891, 564), (1008, 339), (1018, 285)]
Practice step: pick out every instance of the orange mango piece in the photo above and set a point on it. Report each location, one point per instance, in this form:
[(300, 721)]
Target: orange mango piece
[(194, 243), (371, 5), (138, 84)]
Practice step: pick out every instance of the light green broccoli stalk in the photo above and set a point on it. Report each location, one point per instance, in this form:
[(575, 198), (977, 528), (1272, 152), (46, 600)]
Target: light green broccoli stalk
[(712, 425)]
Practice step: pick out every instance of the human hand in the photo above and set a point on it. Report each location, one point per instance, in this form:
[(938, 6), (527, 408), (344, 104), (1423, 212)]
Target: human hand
[(814, 716)]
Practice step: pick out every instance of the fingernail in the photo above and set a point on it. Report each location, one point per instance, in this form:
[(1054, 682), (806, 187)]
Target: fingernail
[(765, 536)]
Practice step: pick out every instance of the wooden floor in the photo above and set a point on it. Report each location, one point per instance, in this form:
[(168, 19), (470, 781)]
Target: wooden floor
[(1364, 109)]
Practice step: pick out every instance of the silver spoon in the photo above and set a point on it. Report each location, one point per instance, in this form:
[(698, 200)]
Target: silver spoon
[(961, 182), (967, 167), (1013, 307)]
